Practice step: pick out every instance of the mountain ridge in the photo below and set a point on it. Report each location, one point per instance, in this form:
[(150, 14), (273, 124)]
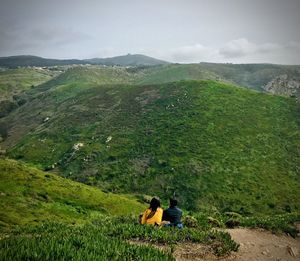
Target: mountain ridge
[(124, 60)]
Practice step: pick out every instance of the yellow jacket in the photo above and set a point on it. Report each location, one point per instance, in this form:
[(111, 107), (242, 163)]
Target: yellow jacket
[(155, 219)]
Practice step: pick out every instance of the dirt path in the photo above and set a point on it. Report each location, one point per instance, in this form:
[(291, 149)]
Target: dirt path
[(261, 245), (255, 245)]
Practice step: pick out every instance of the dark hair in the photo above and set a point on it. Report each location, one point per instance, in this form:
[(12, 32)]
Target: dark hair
[(154, 204), (173, 202)]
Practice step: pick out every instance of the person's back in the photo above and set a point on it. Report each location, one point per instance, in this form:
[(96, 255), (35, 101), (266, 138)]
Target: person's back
[(173, 214), (152, 215), (152, 218)]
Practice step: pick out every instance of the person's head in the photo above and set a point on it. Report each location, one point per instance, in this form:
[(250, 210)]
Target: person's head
[(154, 204), (173, 202)]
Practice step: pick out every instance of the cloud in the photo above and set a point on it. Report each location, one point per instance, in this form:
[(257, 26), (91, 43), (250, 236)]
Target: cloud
[(184, 54), (242, 47), (22, 40), (236, 51), (192, 53), (55, 35)]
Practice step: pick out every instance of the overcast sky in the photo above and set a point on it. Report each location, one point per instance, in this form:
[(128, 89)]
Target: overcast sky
[(238, 31)]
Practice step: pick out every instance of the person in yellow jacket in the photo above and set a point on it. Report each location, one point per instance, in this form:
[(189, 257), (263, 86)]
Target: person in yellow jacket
[(153, 214)]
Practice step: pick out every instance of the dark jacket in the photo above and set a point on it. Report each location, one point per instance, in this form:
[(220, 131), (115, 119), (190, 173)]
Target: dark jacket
[(172, 214)]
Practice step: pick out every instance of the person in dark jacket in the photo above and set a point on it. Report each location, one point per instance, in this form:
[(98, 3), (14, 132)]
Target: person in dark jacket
[(173, 214)]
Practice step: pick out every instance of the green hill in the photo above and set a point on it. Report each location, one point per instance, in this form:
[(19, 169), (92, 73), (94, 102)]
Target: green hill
[(254, 76), (30, 196), (15, 82), (123, 60), (214, 144), (31, 60), (127, 60), (43, 216)]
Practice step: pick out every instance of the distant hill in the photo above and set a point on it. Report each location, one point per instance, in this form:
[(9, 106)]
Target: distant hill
[(126, 60), (277, 79), (29, 60)]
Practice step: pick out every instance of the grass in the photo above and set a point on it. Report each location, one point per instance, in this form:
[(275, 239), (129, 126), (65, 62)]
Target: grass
[(215, 145), (30, 196), (103, 240), (278, 223), (47, 217), (275, 223), (230, 154), (16, 81)]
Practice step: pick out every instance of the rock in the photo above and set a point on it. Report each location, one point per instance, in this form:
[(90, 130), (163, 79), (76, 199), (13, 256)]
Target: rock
[(293, 251), (108, 139), (266, 252), (77, 146), (282, 85)]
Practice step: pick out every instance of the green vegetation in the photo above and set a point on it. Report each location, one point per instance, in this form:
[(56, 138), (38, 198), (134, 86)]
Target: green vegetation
[(216, 145), (253, 76), (127, 60), (232, 156), (14, 82), (32, 196), (106, 239), (275, 223), (124, 60), (280, 223), (32, 200)]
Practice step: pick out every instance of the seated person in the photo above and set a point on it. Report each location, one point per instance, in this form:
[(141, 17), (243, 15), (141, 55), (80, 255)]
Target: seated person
[(153, 214), (173, 214)]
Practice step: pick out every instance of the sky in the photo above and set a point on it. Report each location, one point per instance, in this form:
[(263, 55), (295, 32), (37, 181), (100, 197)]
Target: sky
[(183, 31)]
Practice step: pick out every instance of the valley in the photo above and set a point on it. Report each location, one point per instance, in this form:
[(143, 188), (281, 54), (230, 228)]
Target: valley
[(88, 145)]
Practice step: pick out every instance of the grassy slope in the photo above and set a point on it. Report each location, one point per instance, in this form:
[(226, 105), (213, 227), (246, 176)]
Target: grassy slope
[(13, 82), (175, 72), (59, 210), (31, 196), (214, 144), (253, 76)]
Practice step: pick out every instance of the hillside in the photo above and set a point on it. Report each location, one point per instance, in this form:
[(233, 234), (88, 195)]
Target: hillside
[(214, 144), (125, 60), (30, 196), (15, 82), (30, 60), (254, 76), (43, 216), (261, 77)]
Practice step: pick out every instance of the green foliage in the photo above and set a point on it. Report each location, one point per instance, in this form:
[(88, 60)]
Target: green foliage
[(216, 145), (31, 196), (13, 82), (275, 223), (106, 239), (60, 242)]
